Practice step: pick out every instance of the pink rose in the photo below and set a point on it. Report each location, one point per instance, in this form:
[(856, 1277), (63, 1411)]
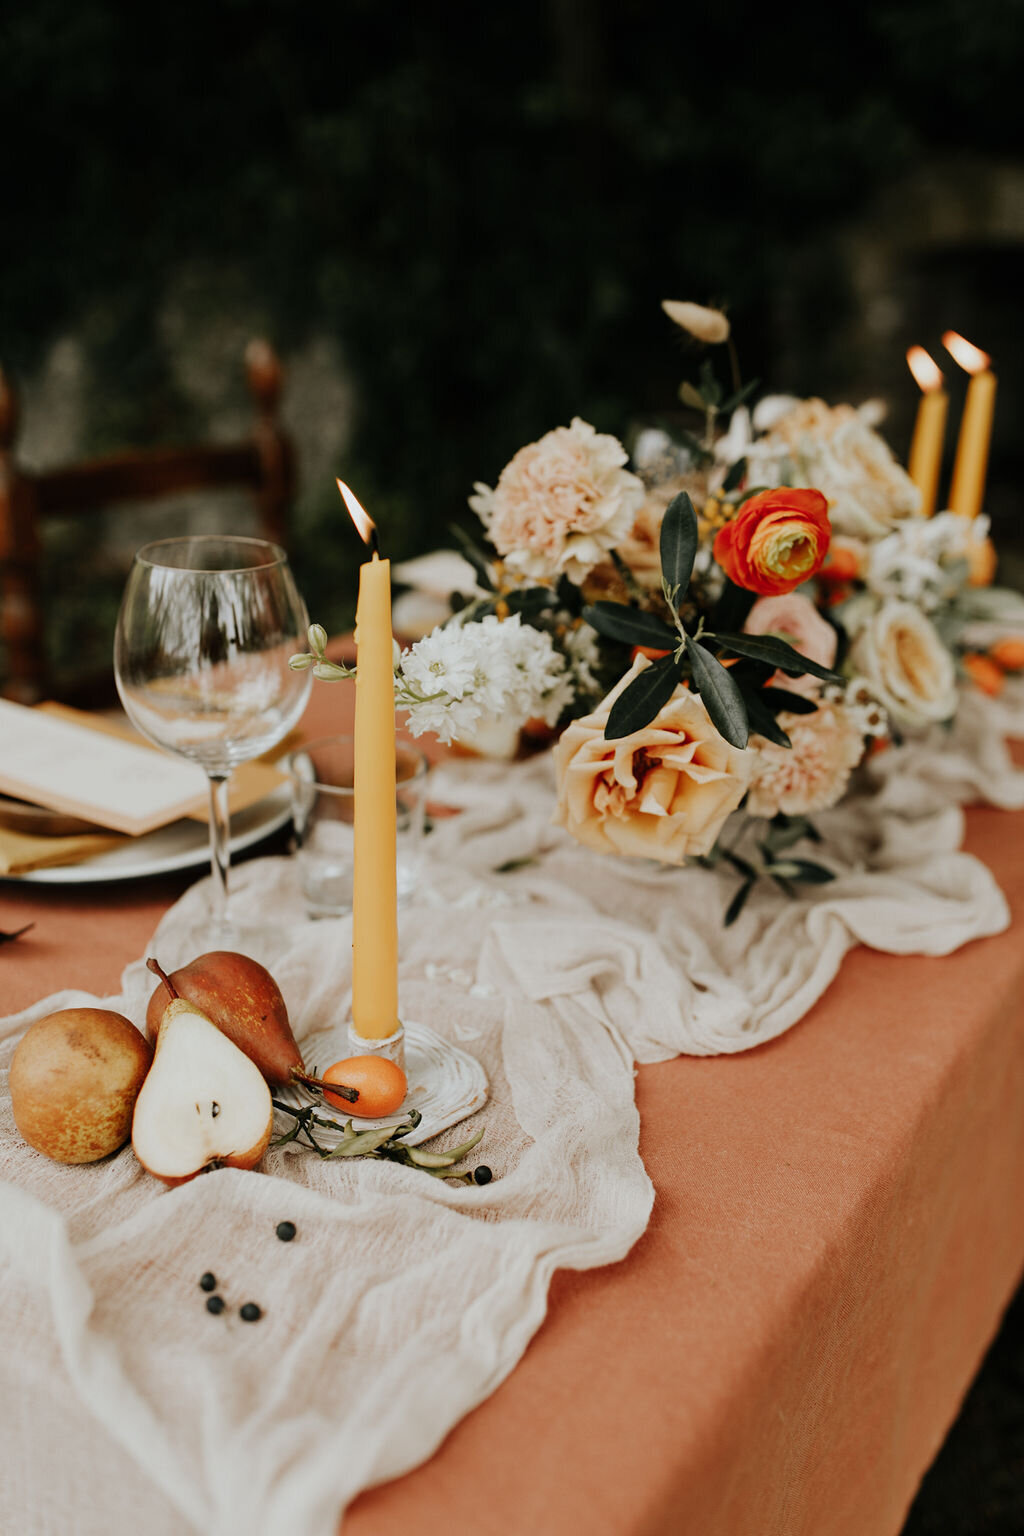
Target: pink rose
[(794, 619)]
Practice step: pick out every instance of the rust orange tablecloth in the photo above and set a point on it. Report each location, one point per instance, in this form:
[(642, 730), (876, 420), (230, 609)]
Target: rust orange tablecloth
[(837, 1229)]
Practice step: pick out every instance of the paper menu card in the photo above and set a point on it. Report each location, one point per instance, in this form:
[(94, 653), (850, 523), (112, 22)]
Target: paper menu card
[(249, 782), (53, 760)]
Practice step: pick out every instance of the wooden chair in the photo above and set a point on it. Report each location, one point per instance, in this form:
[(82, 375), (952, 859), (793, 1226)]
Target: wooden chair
[(265, 465)]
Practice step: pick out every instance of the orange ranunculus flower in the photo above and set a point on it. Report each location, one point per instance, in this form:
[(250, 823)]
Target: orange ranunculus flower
[(1008, 653), (777, 540), (984, 673)]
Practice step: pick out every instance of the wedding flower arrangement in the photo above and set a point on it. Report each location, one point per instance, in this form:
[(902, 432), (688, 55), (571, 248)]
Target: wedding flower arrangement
[(733, 621)]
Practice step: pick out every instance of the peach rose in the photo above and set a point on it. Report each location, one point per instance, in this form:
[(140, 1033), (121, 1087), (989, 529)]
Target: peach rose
[(813, 773), (906, 665), (662, 793), (776, 541), (561, 503)]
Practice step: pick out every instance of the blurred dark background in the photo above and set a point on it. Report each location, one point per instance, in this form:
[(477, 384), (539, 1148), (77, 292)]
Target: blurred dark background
[(456, 227)]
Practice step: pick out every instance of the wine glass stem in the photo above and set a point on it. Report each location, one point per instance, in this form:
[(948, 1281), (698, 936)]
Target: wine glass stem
[(220, 856)]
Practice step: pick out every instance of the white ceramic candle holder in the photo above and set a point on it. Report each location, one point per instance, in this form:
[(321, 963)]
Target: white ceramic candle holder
[(392, 1046), (446, 1084)]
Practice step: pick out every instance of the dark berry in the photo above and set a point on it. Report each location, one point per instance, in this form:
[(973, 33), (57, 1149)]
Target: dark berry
[(250, 1313), (215, 1304), (286, 1231), (208, 1282), (482, 1175)]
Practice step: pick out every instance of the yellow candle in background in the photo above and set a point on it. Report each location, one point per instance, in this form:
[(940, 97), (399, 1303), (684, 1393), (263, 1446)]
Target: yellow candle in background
[(374, 893), (925, 462), (967, 493)]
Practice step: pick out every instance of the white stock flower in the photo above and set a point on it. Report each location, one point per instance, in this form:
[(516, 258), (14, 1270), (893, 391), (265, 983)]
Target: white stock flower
[(467, 675), (901, 657), (925, 561), (561, 503)]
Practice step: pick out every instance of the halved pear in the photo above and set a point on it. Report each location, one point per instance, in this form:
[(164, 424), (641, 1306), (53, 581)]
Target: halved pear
[(204, 1103)]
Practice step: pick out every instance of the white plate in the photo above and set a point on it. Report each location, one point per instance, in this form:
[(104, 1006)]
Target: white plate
[(182, 845)]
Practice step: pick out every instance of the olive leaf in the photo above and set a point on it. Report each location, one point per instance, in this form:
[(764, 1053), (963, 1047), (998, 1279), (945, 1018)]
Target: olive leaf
[(691, 396), (733, 606), (762, 720), (530, 600), (735, 475), (679, 539), (785, 831), (739, 901), (472, 552), (630, 625), (776, 653), (738, 398), (722, 698), (710, 388), (804, 870), (779, 699), (637, 705)]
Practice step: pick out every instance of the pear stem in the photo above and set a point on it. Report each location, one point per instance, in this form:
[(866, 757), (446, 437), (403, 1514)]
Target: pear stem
[(156, 968), (343, 1092)]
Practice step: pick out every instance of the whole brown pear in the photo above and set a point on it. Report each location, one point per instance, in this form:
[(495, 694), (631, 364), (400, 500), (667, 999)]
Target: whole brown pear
[(75, 1076), (244, 1001)]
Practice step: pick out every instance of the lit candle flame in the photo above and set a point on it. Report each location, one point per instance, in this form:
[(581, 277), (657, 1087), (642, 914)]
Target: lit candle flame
[(365, 525), (971, 358), (925, 369)]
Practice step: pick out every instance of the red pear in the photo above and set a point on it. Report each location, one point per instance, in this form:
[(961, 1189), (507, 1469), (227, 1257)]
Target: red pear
[(244, 1001)]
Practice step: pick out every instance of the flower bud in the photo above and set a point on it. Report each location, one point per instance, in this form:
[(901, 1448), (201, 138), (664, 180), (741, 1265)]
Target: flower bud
[(317, 638), (708, 325), (327, 672), (300, 663)]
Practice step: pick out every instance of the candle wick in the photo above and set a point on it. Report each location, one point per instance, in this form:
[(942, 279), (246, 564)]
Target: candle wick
[(375, 543)]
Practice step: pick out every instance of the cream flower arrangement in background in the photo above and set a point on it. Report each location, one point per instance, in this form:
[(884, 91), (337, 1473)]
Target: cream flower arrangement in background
[(835, 449), (561, 503), (902, 658)]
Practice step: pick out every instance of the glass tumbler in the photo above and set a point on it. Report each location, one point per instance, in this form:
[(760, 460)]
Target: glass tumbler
[(323, 809)]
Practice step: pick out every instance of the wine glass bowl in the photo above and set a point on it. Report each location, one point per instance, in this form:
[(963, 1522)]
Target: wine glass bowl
[(206, 628)]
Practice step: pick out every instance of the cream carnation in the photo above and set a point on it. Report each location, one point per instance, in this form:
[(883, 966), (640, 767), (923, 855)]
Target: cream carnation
[(900, 655), (836, 450), (813, 773), (663, 792), (561, 503)]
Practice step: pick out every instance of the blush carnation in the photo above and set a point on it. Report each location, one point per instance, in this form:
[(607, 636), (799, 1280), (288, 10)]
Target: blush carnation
[(561, 503), (813, 773)]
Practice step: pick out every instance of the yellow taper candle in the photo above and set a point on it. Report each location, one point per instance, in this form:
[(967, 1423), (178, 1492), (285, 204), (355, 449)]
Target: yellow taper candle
[(374, 894), (925, 462), (967, 493)]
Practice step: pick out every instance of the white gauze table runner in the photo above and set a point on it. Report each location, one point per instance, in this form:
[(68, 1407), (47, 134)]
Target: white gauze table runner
[(404, 1302)]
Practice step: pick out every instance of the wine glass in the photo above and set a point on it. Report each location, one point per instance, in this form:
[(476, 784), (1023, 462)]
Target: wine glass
[(204, 634)]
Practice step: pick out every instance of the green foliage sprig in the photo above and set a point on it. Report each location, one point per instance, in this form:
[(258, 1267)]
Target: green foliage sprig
[(384, 1141), (736, 697)]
